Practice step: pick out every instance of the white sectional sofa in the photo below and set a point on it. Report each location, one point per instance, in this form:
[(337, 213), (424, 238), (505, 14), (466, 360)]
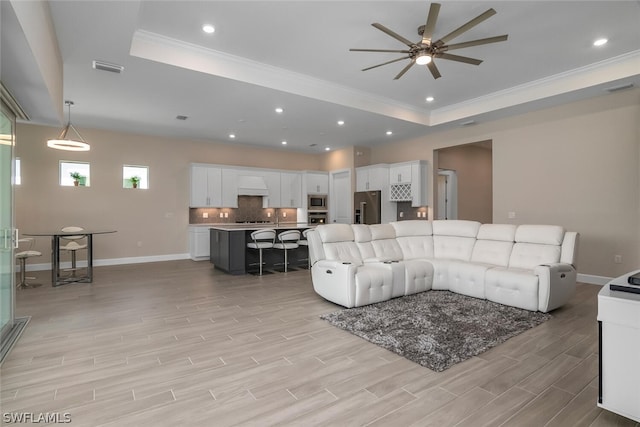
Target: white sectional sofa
[(526, 266)]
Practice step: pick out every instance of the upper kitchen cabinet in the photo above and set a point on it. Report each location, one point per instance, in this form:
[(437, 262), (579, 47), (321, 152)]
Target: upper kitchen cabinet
[(229, 188), (408, 182), (400, 173), (272, 179), (316, 182), (371, 178), (290, 190), (206, 186)]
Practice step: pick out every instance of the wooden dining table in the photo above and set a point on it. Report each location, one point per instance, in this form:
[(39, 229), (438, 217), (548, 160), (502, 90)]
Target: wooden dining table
[(56, 278)]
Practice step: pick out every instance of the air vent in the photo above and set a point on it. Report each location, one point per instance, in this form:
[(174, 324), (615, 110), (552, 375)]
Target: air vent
[(182, 117), (105, 66), (617, 88)]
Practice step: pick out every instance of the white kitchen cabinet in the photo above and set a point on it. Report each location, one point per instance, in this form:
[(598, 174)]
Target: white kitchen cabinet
[(400, 173), (619, 332), (229, 188), (199, 243), (374, 177), (272, 179), (206, 186), (290, 190), (316, 182), (408, 182)]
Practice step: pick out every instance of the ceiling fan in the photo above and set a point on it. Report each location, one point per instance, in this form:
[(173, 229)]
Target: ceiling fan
[(425, 51)]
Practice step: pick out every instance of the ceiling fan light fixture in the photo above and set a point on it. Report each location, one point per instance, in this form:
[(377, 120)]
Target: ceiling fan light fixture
[(66, 142), (423, 58)]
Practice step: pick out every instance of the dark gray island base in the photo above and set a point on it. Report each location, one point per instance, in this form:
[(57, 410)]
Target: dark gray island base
[(229, 252)]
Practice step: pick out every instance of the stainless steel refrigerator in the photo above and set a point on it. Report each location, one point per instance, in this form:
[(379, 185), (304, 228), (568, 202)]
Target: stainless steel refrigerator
[(367, 207)]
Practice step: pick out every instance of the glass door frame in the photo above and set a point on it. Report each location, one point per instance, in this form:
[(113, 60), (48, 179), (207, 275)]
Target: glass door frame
[(8, 233)]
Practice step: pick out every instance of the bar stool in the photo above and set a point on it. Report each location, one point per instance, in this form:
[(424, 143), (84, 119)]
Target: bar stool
[(287, 240), (262, 239), (22, 259), (73, 246), (305, 242)]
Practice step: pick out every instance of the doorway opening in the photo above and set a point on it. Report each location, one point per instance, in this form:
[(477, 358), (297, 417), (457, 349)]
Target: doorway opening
[(464, 186)]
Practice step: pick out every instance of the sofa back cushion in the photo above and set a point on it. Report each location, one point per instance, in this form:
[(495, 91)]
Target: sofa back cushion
[(415, 238), (454, 239), (338, 243), (362, 237), (535, 245), (385, 245), (494, 244)]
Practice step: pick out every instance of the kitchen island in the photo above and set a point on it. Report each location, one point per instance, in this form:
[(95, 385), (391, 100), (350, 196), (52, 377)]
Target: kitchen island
[(229, 252)]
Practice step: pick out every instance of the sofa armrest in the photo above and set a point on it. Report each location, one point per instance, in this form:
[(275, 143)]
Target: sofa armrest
[(335, 281), (556, 285)]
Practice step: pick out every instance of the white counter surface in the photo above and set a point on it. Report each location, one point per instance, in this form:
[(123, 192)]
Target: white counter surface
[(250, 227)]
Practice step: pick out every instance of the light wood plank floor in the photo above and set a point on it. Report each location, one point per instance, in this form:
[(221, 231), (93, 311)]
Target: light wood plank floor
[(177, 343)]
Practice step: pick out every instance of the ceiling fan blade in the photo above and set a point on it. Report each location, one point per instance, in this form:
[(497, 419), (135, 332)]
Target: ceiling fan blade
[(385, 63), (379, 50), (466, 27), (476, 42), (404, 70), (458, 58), (434, 9), (434, 70), (393, 34)]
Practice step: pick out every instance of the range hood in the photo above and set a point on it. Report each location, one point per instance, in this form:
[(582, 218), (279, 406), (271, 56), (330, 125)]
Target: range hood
[(252, 186)]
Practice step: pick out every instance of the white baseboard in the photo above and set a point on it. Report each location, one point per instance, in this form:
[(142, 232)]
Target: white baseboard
[(593, 280), (582, 278), (109, 261)]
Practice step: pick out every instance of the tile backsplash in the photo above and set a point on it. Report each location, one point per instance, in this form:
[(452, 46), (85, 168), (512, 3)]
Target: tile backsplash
[(249, 209), (406, 212)]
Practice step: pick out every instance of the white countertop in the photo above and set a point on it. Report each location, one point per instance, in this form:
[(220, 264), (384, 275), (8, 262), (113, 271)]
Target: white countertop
[(260, 226)]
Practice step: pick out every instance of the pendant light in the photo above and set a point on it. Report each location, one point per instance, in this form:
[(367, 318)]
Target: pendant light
[(66, 141)]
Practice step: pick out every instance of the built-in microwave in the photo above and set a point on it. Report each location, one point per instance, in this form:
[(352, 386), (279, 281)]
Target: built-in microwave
[(317, 202)]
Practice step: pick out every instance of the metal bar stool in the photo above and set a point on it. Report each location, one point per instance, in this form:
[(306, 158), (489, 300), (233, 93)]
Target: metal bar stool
[(73, 246), (262, 239), (287, 240), (22, 259), (305, 242)]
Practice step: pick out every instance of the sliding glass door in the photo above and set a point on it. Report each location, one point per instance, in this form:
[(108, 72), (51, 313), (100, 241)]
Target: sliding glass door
[(7, 276)]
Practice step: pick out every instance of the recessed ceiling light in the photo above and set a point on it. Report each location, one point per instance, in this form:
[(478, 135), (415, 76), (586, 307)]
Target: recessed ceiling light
[(327, 148), (232, 135), (207, 28), (600, 42), (279, 110), (340, 122), (284, 142), (430, 98), (389, 132)]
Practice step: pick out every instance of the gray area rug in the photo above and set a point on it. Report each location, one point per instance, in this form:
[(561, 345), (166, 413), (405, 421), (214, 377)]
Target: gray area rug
[(436, 329)]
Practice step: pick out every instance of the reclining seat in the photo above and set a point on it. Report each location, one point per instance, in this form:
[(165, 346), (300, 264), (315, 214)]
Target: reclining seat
[(415, 238), (378, 246), (492, 249), (540, 274), (338, 271), (453, 240)]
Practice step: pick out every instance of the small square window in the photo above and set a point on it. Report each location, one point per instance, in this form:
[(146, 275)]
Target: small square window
[(74, 174), (135, 177)]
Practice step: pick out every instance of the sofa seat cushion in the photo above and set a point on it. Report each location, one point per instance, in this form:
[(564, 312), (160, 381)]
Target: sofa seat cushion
[(440, 274), (374, 283), (514, 287), (528, 255), (418, 276), (467, 278)]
